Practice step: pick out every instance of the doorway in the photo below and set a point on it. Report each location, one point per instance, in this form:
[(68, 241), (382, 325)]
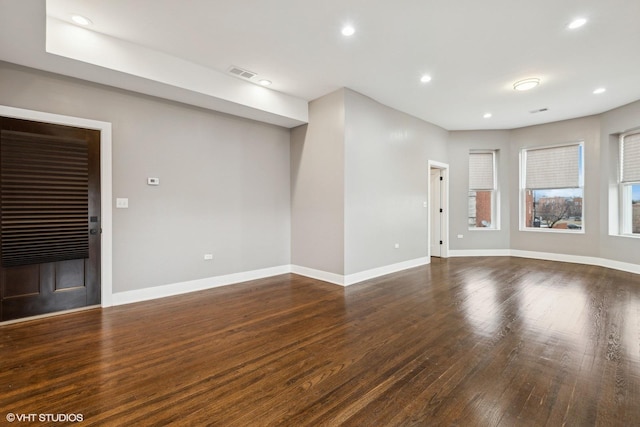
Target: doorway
[(50, 232), (438, 210)]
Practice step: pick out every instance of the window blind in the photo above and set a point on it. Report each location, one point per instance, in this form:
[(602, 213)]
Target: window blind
[(481, 172), (44, 193), (630, 158), (553, 167)]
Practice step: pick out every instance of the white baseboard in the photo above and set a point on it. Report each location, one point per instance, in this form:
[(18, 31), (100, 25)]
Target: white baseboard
[(350, 279), (146, 294), (548, 256), (479, 252), (622, 266), (325, 276)]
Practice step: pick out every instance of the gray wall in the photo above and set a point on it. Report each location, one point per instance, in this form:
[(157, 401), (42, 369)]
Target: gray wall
[(600, 136), (386, 176), (359, 180), (317, 187), (334, 195), (224, 181), (615, 122), (460, 143), (585, 129)]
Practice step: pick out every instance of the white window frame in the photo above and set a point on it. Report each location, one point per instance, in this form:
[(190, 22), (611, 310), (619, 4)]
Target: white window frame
[(523, 190), (495, 194), (625, 195)]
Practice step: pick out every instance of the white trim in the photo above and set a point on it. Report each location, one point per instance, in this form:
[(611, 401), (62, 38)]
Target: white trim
[(622, 266), (432, 164), (146, 294), (548, 256), (382, 271), (325, 276), (106, 258), (351, 279), (479, 252), (45, 315), (523, 188)]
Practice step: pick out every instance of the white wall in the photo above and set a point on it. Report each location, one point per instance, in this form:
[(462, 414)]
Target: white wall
[(224, 181)]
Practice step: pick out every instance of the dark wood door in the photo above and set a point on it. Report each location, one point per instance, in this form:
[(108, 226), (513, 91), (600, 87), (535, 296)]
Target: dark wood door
[(49, 218)]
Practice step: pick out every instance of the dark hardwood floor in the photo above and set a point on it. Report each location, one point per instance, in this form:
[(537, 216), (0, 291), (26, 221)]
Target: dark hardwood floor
[(464, 341)]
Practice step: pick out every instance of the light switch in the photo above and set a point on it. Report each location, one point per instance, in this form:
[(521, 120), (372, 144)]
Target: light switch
[(122, 203), (153, 181)]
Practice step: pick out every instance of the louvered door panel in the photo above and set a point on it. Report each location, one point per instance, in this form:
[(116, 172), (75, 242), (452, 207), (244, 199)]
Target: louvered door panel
[(44, 191)]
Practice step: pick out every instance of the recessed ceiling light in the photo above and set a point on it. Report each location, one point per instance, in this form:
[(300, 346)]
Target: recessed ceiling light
[(599, 91), (348, 30), (81, 20), (526, 84), (487, 115), (425, 78), (577, 23), (265, 82)]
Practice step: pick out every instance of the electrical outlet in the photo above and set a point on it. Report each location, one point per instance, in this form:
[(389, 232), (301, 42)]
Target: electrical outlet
[(397, 245), (208, 257), (122, 203)]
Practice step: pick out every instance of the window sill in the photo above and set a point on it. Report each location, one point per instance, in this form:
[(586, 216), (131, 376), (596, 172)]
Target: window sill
[(553, 230)]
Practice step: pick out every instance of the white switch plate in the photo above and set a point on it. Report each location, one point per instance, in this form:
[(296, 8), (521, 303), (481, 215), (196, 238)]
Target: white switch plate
[(397, 245), (153, 181), (122, 203), (208, 257), (460, 236)]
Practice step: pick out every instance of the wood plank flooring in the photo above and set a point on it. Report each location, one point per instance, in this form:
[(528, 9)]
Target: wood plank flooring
[(465, 341)]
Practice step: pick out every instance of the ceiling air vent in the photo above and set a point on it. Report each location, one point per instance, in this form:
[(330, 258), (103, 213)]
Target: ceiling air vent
[(239, 72), (540, 110)]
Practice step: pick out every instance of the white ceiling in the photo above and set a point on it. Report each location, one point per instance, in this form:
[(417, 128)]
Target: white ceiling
[(474, 50)]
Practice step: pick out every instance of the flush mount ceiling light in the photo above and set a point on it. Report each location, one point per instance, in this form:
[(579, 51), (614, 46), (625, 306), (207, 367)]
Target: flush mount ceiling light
[(577, 23), (487, 115), (265, 82), (81, 20), (348, 30), (599, 91), (526, 84), (425, 78)]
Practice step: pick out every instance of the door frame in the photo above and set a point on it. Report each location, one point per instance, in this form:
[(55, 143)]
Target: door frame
[(106, 242), (444, 169)]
